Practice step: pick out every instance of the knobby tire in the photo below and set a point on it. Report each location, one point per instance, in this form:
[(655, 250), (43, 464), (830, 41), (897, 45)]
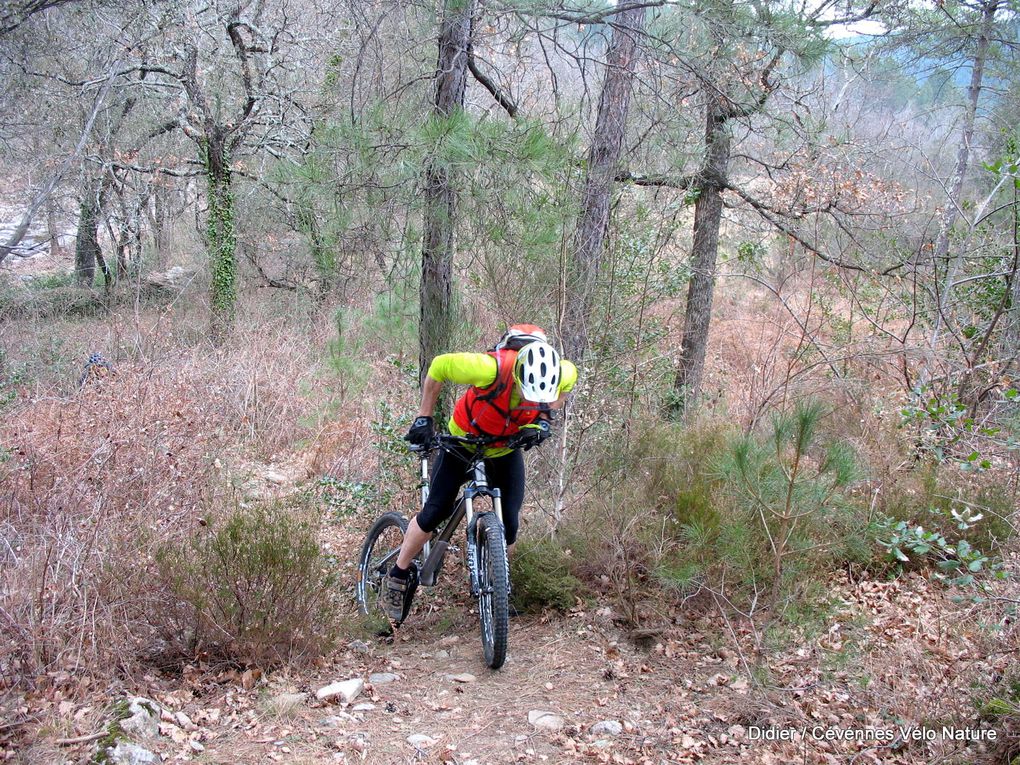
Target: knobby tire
[(371, 574), (494, 591)]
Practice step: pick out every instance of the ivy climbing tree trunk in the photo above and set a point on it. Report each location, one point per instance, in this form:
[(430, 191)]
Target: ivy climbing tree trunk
[(86, 242), (603, 161), (440, 197), (704, 253), (220, 231)]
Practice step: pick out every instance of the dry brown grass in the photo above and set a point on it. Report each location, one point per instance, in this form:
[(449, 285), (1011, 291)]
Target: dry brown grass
[(97, 479)]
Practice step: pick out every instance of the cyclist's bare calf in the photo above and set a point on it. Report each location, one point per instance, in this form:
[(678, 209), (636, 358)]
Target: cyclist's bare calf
[(414, 541)]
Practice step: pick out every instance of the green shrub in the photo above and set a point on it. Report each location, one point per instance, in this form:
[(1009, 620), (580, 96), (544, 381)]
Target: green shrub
[(679, 465), (958, 563), (251, 587), (542, 577), (758, 514), (936, 494), (788, 484)]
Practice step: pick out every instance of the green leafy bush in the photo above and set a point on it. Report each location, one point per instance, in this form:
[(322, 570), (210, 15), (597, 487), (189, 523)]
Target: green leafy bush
[(936, 495), (542, 575), (252, 587), (958, 562)]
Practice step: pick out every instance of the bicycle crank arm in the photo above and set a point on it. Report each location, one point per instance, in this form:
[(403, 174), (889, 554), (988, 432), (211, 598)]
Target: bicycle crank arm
[(430, 569)]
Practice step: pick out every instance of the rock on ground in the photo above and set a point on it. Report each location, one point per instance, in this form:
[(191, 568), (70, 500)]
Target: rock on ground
[(143, 718), (420, 741), (347, 691), (381, 678), (545, 720), (170, 282), (131, 754), (607, 728)]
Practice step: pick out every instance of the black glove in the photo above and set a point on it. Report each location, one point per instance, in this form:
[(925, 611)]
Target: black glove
[(421, 432), (533, 435)]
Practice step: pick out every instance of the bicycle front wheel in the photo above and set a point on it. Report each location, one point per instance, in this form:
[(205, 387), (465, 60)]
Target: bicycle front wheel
[(494, 589), (382, 543)]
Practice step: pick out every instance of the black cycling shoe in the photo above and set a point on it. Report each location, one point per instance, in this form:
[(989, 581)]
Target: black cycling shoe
[(397, 597), (393, 597)]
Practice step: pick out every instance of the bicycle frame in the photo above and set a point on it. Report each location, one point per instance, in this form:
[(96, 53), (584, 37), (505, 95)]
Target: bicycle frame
[(436, 548)]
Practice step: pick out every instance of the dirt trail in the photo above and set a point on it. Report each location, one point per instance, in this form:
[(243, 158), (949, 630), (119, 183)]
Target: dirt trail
[(685, 697), (576, 669)]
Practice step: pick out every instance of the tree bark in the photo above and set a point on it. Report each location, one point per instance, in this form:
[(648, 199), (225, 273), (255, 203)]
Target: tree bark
[(440, 197), (222, 236), (52, 228), (86, 244), (160, 217), (955, 197), (603, 161), (704, 253)]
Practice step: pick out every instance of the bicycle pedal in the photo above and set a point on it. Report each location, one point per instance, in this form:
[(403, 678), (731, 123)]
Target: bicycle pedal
[(412, 587)]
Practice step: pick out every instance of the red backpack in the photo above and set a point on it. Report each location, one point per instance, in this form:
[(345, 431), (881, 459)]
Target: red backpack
[(487, 411)]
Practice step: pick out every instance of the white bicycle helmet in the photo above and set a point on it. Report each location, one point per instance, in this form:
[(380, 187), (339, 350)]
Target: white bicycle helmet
[(537, 371)]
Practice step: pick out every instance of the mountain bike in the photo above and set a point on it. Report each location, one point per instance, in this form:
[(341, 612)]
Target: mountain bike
[(484, 549)]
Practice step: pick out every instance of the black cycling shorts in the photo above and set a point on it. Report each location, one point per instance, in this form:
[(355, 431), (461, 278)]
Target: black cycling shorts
[(449, 473)]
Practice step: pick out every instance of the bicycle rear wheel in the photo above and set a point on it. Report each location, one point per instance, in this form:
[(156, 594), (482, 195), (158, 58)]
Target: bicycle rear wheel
[(494, 589), (382, 543)]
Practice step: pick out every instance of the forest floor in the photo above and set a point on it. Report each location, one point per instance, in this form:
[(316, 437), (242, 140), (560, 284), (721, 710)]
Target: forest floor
[(892, 671), (890, 658)]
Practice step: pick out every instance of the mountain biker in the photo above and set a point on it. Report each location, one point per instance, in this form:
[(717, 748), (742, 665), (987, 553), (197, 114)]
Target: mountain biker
[(513, 388)]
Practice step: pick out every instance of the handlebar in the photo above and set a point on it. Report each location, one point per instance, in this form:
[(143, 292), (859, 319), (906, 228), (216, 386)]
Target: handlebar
[(448, 441)]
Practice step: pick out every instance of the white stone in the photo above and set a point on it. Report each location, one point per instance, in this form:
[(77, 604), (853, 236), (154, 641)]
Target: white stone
[(545, 720), (420, 741), (274, 476), (607, 728), (365, 706), (463, 677), (185, 722), (347, 691), (196, 746), (172, 281), (143, 719), (381, 678), (131, 754)]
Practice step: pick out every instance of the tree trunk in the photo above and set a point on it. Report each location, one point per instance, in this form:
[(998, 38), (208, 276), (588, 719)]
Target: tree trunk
[(52, 228), (86, 244), (955, 198), (440, 198), (603, 162), (707, 219), (160, 222), (222, 237), (324, 255)]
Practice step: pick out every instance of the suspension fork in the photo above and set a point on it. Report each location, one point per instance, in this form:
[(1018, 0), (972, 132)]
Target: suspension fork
[(423, 485)]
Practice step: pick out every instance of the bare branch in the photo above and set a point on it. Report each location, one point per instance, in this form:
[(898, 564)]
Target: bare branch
[(501, 98), (47, 189)]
